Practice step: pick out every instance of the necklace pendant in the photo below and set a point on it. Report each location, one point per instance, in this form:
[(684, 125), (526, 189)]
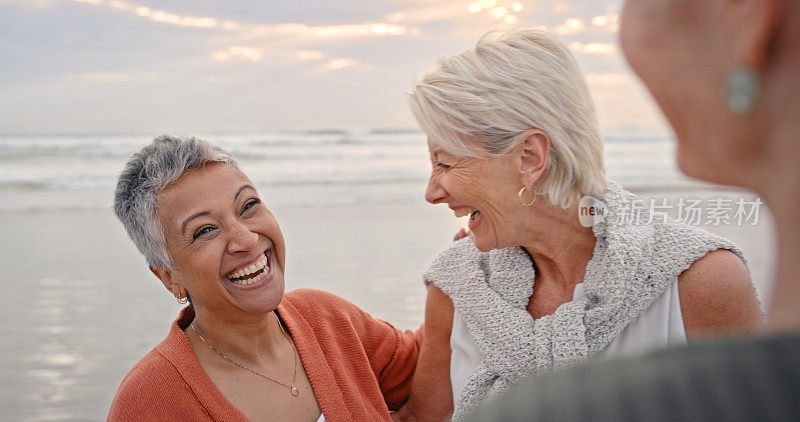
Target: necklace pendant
[(295, 391)]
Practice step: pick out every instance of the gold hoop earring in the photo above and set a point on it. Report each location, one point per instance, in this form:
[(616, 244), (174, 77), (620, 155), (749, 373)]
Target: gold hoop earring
[(522, 192), (182, 300)]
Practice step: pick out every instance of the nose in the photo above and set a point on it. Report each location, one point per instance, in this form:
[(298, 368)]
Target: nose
[(242, 239), (434, 193)]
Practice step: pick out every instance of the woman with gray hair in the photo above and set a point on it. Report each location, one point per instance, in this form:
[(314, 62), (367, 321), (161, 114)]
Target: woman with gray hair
[(242, 350), (514, 144)]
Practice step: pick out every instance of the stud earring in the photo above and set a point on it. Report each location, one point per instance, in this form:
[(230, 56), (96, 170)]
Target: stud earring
[(742, 90)]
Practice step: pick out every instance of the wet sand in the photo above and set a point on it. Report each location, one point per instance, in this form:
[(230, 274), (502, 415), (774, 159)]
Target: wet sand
[(80, 307)]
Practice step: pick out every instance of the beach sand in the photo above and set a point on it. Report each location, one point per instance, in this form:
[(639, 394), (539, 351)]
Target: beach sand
[(80, 306)]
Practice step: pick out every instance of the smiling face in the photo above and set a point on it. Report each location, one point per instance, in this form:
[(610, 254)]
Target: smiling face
[(227, 248), (485, 189)]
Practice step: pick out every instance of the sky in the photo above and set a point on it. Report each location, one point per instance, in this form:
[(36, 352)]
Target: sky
[(142, 66)]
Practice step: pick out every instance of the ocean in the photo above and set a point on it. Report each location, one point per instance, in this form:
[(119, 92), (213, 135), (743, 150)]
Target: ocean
[(79, 306), (320, 168)]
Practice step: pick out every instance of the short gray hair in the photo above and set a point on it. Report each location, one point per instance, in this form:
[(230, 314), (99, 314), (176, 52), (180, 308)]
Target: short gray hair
[(148, 171), (482, 102)]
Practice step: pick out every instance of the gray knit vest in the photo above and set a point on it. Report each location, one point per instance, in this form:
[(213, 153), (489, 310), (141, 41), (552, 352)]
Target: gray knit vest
[(632, 265)]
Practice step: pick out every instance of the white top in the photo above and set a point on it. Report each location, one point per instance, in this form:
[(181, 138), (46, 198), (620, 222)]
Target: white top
[(321, 418), (660, 326)]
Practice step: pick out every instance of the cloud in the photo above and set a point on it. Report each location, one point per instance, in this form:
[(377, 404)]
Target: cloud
[(342, 64), (239, 53), (571, 26), (348, 55), (498, 10), (371, 28), (502, 10), (310, 55), (161, 16), (364, 29), (593, 48), (609, 22)]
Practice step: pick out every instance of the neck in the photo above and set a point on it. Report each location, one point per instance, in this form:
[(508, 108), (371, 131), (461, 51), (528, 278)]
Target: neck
[(778, 177), (252, 340), (779, 187), (559, 245), (784, 314)]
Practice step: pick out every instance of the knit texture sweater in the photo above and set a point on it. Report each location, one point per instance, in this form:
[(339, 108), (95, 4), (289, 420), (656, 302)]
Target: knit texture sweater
[(633, 263), (359, 367)]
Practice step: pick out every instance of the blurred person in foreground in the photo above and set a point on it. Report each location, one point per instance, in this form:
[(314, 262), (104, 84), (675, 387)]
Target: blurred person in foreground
[(242, 349), (726, 74), (514, 144)]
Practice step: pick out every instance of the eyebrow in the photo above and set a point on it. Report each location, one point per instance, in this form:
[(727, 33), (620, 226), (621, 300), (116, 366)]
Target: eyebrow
[(438, 154), (192, 217), (205, 213), (239, 192)]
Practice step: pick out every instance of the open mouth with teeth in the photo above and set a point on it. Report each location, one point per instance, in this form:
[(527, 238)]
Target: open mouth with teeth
[(253, 273), (474, 215)]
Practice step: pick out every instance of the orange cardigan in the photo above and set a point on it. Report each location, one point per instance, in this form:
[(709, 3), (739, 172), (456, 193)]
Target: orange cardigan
[(357, 365)]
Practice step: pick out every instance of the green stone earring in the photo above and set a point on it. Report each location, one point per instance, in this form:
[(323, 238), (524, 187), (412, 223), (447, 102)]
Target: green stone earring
[(742, 90)]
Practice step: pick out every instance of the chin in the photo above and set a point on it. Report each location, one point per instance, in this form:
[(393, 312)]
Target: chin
[(264, 300), (484, 245), (688, 168), (697, 167), (264, 306), (273, 297)]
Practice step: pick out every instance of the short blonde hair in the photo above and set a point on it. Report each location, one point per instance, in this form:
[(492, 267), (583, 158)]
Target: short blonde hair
[(482, 101)]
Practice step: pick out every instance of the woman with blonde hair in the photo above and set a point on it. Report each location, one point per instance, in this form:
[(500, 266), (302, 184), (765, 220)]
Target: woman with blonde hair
[(514, 143), (725, 74)]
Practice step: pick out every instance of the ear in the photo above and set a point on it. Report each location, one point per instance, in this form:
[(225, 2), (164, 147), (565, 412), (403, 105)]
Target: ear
[(165, 276), (752, 27), (534, 154)]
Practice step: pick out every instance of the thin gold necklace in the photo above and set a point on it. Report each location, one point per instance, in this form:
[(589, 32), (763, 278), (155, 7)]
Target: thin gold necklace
[(295, 392)]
